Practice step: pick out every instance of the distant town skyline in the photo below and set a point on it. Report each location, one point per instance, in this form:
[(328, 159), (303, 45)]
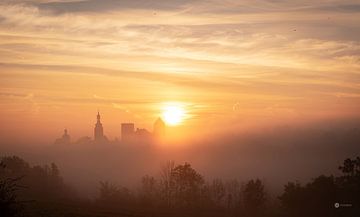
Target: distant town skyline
[(128, 134)]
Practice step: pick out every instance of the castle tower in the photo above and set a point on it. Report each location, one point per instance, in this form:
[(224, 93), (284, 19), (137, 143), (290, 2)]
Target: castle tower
[(64, 140), (98, 130), (159, 128), (66, 137)]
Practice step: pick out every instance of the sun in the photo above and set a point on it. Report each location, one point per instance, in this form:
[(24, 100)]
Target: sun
[(173, 114)]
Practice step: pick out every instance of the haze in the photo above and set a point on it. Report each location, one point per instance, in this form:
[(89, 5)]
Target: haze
[(239, 72)]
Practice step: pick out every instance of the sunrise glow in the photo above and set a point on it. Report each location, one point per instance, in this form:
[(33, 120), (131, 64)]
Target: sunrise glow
[(173, 114), (173, 108), (68, 58)]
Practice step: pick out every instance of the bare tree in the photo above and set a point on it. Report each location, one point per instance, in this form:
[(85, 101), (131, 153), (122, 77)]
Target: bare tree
[(217, 191), (148, 190), (166, 182)]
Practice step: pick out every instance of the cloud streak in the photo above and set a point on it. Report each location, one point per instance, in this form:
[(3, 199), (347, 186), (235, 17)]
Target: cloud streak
[(267, 57)]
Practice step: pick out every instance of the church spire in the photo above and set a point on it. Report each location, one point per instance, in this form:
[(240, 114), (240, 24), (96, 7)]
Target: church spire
[(159, 128), (98, 116), (98, 130)]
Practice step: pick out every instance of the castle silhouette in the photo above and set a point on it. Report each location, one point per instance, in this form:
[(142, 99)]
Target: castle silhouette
[(128, 133)]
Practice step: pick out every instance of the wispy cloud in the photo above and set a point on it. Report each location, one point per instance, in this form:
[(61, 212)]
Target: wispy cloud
[(263, 55)]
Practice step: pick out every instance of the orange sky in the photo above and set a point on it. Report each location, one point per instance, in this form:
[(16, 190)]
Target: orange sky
[(226, 62)]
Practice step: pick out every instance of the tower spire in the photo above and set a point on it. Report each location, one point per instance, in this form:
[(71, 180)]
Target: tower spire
[(98, 130), (98, 116)]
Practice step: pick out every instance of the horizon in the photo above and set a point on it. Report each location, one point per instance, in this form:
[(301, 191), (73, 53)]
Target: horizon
[(175, 108)]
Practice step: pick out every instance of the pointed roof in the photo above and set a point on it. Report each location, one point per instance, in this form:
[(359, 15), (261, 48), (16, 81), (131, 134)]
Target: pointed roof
[(98, 116), (159, 121)]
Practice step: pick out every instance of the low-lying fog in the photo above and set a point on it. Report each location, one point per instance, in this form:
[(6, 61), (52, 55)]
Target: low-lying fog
[(276, 155)]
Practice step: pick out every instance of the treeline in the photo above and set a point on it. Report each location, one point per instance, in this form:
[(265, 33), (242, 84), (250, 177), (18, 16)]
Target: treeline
[(179, 191), (31, 190)]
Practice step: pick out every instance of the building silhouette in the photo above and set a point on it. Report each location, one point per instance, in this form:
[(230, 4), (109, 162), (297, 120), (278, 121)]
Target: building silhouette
[(85, 140), (127, 131), (128, 134), (98, 130), (65, 139), (143, 135), (159, 128)]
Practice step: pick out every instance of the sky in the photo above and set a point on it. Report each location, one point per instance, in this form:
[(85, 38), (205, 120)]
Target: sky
[(227, 63)]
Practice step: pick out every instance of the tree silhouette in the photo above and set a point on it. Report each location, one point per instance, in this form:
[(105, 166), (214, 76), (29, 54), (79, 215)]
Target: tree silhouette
[(179, 191), (166, 182), (321, 195), (9, 204), (41, 189), (349, 184), (148, 190), (254, 198), (217, 191), (187, 185), (292, 200), (233, 189), (351, 168), (112, 195), (317, 198)]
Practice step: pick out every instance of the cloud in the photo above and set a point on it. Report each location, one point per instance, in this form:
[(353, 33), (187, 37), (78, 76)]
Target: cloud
[(294, 84), (346, 8), (111, 5), (11, 95), (274, 55), (251, 43)]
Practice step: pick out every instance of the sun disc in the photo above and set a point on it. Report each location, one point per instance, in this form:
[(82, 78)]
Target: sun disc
[(173, 114)]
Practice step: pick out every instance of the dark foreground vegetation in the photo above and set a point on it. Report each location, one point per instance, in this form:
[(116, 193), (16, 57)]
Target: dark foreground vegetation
[(27, 190)]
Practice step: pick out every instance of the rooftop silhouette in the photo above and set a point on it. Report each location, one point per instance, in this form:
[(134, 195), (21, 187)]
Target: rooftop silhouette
[(128, 133)]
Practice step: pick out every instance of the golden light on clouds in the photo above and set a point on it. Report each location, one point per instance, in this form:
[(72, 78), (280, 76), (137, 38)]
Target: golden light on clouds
[(274, 60)]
